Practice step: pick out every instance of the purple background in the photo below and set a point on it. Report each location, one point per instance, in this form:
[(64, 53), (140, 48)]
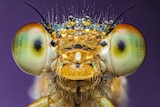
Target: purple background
[(144, 84)]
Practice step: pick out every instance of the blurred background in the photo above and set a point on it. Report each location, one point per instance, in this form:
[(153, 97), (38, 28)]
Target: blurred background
[(144, 85)]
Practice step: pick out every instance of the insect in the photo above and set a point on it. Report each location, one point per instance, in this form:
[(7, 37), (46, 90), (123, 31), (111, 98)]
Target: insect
[(79, 63)]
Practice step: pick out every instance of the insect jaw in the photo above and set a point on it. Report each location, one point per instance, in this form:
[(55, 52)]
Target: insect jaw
[(77, 65), (82, 72)]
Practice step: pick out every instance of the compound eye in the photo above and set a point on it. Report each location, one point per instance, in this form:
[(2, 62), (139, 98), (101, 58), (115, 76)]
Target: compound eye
[(128, 49), (29, 48)]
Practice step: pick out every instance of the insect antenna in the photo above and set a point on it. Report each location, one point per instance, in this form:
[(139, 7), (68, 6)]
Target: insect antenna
[(46, 24), (111, 26)]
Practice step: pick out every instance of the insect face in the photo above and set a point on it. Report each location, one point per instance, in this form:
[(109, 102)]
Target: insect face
[(80, 58)]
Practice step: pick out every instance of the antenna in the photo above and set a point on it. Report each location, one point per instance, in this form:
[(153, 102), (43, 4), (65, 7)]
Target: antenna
[(47, 25), (110, 27)]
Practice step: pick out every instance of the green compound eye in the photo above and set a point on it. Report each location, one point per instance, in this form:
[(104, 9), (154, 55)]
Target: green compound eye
[(29, 48), (128, 49)]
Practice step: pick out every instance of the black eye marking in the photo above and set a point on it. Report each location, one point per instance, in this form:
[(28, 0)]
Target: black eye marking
[(53, 43), (38, 44), (121, 45), (77, 65), (79, 46), (103, 43), (91, 64)]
